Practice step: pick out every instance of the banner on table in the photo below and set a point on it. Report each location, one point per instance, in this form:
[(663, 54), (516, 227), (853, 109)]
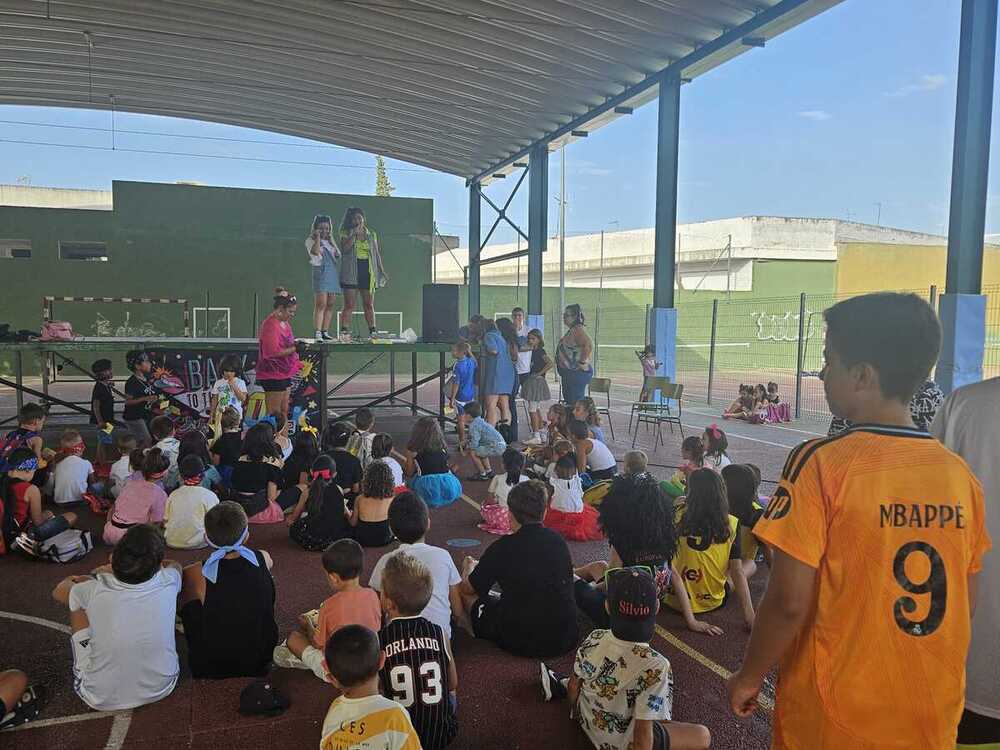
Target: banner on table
[(187, 376)]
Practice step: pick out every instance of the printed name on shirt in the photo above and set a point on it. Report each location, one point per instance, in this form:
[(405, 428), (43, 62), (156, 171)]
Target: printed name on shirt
[(920, 515), (411, 644)]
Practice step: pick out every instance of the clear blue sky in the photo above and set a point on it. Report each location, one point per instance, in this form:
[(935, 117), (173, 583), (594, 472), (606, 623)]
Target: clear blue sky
[(851, 109)]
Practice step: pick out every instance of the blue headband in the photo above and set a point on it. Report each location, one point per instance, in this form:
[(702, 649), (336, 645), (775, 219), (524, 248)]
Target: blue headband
[(210, 568), (28, 464), (269, 419)]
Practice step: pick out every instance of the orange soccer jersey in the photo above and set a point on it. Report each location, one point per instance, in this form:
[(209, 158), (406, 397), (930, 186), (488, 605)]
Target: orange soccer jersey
[(893, 524)]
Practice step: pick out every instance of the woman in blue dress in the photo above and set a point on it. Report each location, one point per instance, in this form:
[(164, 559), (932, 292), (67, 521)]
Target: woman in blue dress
[(324, 258), (498, 357)]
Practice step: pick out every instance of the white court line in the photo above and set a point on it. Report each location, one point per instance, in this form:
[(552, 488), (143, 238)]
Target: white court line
[(119, 731), (37, 621), (93, 716)]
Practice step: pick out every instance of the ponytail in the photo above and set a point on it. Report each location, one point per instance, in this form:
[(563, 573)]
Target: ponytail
[(321, 475)]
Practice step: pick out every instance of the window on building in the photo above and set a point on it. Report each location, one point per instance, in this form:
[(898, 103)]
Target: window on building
[(97, 251), (15, 249)]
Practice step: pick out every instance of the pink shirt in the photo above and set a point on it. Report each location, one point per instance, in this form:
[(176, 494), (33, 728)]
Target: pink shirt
[(274, 336), (139, 502), (360, 607), (648, 366)]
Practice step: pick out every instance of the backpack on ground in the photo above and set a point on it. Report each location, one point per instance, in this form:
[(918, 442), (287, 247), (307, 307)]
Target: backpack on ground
[(66, 546)]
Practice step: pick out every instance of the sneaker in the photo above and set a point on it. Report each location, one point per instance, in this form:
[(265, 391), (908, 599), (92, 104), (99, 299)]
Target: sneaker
[(27, 707), (325, 335), (489, 475), (284, 658), (373, 332), (481, 477), (28, 545), (552, 686), (319, 335)]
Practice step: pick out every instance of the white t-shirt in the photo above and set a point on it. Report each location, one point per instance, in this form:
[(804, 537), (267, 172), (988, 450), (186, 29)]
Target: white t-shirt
[(224, 391), (395, 468), (567, 494), (717, 463), (443, 571), (185, 516), (360, 445), (70, 479), (121, 470), (600, 456), (500, 489), (129, 657), (968, 423), (171, 447), (523, 365), (620, 681)]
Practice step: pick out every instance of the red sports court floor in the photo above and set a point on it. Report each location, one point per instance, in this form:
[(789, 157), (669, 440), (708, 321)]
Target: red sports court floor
[(499, 696)]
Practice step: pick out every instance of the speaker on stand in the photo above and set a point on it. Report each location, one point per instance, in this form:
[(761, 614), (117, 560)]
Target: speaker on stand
[(440, 313)]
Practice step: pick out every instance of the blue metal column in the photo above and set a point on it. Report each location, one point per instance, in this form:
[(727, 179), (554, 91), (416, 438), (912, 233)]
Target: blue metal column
[(962, 307), (474, 247), (538, 230), (663, 323)]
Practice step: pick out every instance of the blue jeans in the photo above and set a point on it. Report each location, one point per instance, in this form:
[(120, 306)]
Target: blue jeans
[(574, 384)]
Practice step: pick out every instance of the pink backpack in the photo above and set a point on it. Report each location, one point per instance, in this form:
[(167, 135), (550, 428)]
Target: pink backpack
[(57, 330)]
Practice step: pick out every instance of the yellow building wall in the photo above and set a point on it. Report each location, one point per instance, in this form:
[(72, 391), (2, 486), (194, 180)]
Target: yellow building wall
[(873, 267)]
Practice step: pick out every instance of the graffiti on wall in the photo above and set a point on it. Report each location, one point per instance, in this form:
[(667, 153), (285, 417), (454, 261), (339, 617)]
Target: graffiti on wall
[(784, 326), (104, 327)]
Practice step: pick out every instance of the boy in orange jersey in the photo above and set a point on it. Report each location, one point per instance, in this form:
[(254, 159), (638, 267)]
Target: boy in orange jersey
[(877, 534)]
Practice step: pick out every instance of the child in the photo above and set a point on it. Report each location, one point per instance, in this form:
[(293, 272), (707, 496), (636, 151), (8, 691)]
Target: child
[(592, 456), (647, 358), (227, 449), (102, 405), (360, 443), (568, 514), (187, 507), (230, 390), (585, 410), (496, 519), (24, 523), (463, 383), (349, 471), (419, 671), (635, 462), (409, 521), (426, 456), (708, 552), (19, 703), (484, 443), (534, 387), (869, 594), (122, 620), (162, 430), (743, 406), (305, 451), (370, 515), (227, 602), (350, 604), (30, 421), (716, 445), (122, 469), (741, 492), (382, 451), (194, 443), (777, 410), (142, 500), (257, 481), (320, 516), (360, 717), (693, 456), (281, 426), (140, 395), (621, 690), (548, 470), (71, 472)]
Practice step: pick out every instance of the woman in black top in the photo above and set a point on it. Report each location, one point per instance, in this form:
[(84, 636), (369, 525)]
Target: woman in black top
[(320, 516), (257, 478)]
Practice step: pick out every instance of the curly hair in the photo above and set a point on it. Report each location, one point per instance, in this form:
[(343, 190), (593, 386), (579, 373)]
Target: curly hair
[(638, 516), (378, 480), (706, 514), (426, 436), (592, 418)]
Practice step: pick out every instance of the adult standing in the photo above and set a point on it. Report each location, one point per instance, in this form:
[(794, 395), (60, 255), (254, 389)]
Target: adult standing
[(324, 258), (361, 269), (968, 423), (573, 356), (472, 331), (498, 373), (277, 358), (523, 364)]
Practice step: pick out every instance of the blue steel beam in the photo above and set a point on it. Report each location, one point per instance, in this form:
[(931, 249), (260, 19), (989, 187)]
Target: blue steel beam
[(474, 247), (538, 223), (970, 161), (667, 134)]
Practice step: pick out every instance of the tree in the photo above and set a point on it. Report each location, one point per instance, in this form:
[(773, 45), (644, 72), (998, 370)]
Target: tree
[(383, 188)]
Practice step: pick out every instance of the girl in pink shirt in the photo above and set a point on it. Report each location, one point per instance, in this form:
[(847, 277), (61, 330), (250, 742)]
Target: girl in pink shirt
[(277, 360), (142, 500)]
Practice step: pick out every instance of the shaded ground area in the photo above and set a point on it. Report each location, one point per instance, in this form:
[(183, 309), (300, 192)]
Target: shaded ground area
[(499, 696)]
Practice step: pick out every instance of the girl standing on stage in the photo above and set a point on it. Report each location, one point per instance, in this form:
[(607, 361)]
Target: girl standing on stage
[(324, 258), (277, 359), (361, 269)]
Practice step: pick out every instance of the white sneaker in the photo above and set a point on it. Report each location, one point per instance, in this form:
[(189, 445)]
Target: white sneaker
[(284, 658), (535, 439)]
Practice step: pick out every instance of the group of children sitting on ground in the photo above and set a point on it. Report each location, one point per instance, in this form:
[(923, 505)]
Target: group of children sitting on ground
[(758, 404)]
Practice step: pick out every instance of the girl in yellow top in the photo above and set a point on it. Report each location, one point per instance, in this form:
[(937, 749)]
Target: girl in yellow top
[(361, 269), (707, 562)]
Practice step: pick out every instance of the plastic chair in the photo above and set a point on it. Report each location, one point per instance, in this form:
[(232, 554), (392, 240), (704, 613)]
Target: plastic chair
[(603, 385), (650, 384), (659, 413)]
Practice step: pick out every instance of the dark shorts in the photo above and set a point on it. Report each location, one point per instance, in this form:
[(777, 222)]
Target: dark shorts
[(485, 618), (274, 386), (661, 738), (603, 474), (364, 282)]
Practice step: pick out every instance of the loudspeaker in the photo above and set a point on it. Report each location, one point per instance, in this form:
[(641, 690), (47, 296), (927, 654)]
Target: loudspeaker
[(440, 321)]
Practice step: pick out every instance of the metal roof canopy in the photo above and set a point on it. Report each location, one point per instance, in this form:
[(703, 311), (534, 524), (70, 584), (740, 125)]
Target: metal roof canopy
[(461, 86)]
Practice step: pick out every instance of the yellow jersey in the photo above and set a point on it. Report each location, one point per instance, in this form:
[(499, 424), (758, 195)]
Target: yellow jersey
[(702, 568), (893, 524)]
